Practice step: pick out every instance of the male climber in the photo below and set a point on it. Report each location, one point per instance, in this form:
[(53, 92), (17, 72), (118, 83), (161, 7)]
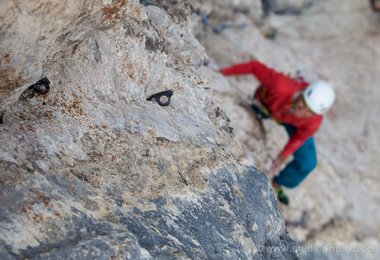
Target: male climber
[(299, 107)]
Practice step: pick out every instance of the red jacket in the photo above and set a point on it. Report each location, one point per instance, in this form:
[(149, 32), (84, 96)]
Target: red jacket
[(279, 93)]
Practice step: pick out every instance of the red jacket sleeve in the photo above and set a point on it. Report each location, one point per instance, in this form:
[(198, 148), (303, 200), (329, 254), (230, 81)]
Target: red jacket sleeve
[(299, 138), (265, 75), (295, 142)]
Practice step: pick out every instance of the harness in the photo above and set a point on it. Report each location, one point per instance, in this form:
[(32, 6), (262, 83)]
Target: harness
[(260, 103)]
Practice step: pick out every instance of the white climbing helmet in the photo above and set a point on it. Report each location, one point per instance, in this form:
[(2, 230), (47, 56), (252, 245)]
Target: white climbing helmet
[(319, 97)]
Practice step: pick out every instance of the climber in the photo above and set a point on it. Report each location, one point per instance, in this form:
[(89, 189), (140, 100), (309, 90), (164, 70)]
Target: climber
[(299, 107)]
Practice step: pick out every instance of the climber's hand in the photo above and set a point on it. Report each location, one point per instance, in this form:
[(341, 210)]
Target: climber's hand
[(276, 167)]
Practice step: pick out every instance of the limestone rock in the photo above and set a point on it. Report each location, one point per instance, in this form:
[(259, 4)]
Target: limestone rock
[(92, 170)]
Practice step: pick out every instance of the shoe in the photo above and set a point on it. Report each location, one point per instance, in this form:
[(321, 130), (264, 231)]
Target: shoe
[(281, 196)]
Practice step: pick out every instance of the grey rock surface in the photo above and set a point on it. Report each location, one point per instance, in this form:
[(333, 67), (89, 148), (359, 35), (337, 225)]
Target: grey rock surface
[(92, 170)]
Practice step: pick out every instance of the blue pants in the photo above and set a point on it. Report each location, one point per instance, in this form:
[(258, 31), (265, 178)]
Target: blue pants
[(304, 162), (304, 159)]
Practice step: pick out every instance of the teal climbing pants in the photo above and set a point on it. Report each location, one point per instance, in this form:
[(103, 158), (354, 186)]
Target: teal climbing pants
[(304, 162), (304, 159)]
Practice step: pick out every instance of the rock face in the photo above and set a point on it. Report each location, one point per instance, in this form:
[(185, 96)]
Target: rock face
[(92, 170)]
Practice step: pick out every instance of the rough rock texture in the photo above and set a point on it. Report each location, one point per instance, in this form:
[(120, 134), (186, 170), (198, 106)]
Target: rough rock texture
[(92, 170), (338, 205)]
